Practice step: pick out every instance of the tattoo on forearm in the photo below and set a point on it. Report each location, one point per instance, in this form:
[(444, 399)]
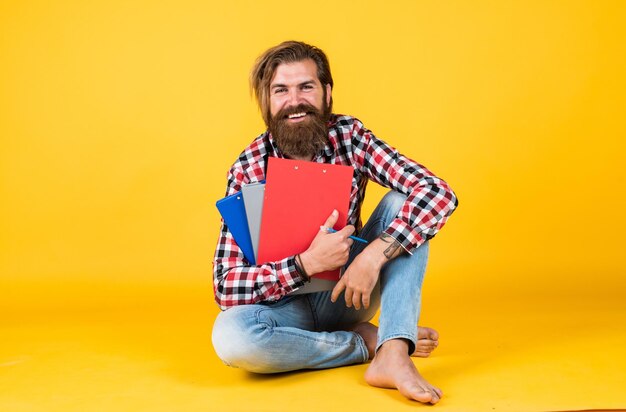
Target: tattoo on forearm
[(390, 252)]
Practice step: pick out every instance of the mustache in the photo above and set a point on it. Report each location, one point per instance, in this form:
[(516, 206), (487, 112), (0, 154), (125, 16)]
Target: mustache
[(284, 113)]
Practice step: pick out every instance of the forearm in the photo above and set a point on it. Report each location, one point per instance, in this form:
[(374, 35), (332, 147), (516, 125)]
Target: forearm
[(237, 282), (389, 246), (382, 249), (248, 284), (430, 200), (378, 252)]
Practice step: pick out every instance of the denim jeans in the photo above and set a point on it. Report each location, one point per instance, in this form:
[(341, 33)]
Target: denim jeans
[(310, 332)]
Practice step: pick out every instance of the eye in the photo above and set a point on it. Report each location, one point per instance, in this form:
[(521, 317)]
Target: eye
[(307, 87), (280, 90)]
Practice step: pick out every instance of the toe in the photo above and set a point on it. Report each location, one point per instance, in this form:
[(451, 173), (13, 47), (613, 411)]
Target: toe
[(433, 334), (427, 333), (426, 344), (421, 354), (420, 394), (435, 396), (423, 332), (438, 391)]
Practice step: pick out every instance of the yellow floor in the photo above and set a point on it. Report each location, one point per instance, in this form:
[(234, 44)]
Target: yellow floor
[(514, 356)]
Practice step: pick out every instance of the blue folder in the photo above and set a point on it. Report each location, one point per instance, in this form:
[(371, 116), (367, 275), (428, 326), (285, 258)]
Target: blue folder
[(233, 211)]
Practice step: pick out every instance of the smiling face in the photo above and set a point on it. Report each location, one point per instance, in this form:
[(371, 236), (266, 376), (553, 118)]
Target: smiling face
[(297, 84), (299, 109)]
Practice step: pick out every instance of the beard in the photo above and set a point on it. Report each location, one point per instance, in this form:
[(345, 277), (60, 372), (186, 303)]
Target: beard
[(302, 139)]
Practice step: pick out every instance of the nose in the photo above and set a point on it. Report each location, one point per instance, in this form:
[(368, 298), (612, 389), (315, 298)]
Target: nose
[(294, 97)]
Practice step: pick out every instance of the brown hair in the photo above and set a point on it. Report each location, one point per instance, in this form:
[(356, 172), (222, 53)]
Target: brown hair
[(286, 52)]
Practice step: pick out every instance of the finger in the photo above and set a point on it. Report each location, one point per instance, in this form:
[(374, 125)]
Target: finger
[(339, 287), (348, 297), (332, 219), (356, 300), (366, 301), (347, 231)]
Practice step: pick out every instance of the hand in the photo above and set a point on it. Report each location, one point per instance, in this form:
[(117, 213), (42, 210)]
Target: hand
[(359, 279), (328, 251)]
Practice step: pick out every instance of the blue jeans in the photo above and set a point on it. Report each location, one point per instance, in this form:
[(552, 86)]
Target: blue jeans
[(310, 332)]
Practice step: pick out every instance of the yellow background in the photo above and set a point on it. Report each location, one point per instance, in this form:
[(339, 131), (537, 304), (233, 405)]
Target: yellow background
[(119, 120)]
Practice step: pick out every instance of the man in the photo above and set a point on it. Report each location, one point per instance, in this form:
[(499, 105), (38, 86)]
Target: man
[(266, 329)]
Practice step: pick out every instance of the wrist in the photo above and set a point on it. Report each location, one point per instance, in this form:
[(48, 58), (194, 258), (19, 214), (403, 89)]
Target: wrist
[(309, 263), (300, 269), (379, 252), (379, 259)]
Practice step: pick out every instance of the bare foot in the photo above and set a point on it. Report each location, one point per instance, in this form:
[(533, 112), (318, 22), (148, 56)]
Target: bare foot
[(427, 339), (393, 368)]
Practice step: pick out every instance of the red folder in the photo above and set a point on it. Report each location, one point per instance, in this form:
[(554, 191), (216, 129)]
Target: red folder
[(299, 197)]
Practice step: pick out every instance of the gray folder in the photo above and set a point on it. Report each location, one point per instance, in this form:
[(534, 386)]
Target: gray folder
[(253, 195), (316, 285)]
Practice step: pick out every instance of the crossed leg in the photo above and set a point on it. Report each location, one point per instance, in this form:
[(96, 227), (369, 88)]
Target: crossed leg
[(398, 336), (261, 337)]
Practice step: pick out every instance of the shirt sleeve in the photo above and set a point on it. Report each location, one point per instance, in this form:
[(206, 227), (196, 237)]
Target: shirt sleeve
[(236, 281), (430, 200)]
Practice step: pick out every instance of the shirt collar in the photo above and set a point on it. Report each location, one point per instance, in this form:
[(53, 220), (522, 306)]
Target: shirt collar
[(332, 144), (275, 148)]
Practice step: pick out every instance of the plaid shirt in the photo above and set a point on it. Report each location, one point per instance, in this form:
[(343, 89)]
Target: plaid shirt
[(430, 201)]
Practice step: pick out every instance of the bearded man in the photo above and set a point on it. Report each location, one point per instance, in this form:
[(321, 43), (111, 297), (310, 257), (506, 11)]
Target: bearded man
[(264, 327)]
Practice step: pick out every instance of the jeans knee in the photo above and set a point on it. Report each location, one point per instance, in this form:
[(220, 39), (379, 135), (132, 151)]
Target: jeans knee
[(229, 336), (237, 340), (392, 202)]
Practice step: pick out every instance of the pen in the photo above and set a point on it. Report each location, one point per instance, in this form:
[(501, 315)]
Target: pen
[(358, 239)]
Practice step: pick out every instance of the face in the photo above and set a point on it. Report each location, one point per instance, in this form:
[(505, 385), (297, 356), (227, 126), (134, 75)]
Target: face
[(299, 109), (296, 84)]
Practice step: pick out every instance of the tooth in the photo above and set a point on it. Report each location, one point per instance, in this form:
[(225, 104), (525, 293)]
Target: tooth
[(296, 115)]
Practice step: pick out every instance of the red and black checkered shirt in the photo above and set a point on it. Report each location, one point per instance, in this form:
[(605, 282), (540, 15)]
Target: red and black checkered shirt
[(430, 201)]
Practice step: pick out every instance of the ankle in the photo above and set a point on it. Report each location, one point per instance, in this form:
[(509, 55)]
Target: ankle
[(395, 346)]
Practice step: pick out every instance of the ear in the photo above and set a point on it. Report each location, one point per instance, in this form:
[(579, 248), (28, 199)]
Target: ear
[(328, 92)]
